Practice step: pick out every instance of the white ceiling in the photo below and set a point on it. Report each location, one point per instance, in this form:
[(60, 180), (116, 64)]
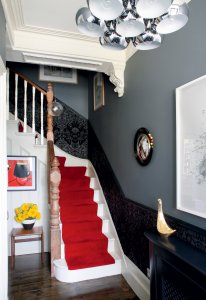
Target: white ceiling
[(55, 14)]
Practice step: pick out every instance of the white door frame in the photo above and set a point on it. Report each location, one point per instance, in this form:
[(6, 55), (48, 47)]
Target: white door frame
[(3, 187)]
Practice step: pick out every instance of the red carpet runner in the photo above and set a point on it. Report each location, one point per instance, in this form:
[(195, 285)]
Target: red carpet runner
[(85, 244)]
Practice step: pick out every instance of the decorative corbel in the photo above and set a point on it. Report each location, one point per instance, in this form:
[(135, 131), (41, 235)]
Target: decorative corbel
[(116, 76)]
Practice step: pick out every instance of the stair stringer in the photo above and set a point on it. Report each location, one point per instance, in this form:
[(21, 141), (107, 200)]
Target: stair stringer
[(61, 270), (103, 212)]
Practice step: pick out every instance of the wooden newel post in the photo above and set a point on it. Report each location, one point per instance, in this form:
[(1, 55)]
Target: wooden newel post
[(55, 178)]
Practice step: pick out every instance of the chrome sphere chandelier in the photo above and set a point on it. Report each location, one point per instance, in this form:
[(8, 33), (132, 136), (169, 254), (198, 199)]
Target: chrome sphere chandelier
[(118, 22)]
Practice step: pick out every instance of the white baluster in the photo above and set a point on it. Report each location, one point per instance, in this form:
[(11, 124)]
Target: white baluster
[(33, 109), (25, 106), (7, 93), (16, 97), (42, 129)]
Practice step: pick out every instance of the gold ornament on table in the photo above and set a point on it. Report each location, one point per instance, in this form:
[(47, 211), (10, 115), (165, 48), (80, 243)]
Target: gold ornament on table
[(162, 226)]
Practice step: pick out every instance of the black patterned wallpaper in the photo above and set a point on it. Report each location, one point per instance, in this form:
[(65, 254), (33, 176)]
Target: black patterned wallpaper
[(132, 219), (70, 129)]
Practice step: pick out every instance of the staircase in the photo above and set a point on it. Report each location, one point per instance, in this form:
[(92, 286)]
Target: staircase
[(84, 242), (88, 250)]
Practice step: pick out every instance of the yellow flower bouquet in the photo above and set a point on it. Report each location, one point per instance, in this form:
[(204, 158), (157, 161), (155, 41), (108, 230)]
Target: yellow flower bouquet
[(27, 211)]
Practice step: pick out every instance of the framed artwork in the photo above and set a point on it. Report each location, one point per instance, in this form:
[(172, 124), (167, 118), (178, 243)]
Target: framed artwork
[(98, 91), (57, 74), (191, 147), (21, 173)]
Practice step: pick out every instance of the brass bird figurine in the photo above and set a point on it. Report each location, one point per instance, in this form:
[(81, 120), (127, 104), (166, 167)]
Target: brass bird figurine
[(162, 225)]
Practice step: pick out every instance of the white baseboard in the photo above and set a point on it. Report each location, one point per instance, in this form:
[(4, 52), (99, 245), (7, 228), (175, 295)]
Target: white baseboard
[(136, 279)]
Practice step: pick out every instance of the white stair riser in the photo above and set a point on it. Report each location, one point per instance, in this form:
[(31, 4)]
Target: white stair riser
[(94, 183), (90, 173), (62, 250), (100, 210), (111, 245), (97, 196), (65, 275), (105, 226)]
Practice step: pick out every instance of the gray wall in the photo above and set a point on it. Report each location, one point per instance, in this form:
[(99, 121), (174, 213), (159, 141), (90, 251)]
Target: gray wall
[(2, 34), (74, 95), (149, 101)]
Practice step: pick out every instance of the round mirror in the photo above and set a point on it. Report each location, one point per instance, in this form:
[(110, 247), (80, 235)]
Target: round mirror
[(143, 146)]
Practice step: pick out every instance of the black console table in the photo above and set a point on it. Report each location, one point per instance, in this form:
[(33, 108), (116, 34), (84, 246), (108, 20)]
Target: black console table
[(178, 270)]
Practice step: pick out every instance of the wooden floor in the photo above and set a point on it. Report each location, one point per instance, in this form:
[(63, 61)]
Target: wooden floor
[(30, 280)]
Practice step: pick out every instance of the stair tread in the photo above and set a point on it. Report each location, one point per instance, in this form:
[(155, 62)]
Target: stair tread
[(69, 199), (84, 247), (92, 232), (68, 203), (81, 212), (85, 239)]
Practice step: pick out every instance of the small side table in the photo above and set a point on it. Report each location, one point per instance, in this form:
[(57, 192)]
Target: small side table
[(20, 232)]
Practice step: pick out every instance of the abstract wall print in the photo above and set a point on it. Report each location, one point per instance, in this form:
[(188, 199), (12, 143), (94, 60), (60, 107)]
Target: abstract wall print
[(98, 91), (191, 147), (21, 173), (58, 74)]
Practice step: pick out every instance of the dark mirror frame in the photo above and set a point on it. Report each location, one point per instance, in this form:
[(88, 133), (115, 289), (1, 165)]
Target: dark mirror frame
[(143, 146)]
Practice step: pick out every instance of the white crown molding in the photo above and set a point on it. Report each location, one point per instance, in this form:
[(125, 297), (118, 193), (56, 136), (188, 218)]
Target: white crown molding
[(66, 62), (62, 59), (59, 33)]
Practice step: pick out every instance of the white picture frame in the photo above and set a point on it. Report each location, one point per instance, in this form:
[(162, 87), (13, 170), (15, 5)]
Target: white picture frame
[(58, 74), (191, 147), (22, 173)]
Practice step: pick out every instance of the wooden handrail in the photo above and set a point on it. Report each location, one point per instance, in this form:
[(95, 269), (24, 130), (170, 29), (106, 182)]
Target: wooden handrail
[(30, 82)]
